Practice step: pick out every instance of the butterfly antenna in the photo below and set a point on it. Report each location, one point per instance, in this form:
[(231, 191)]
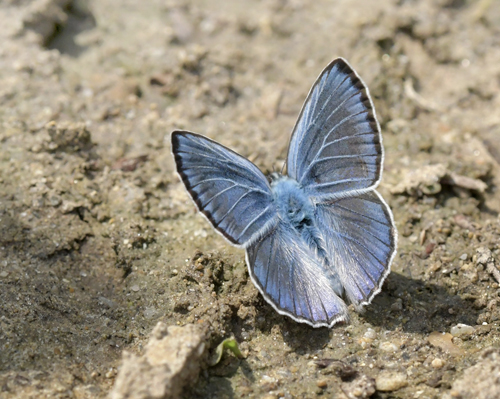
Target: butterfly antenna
[(283, 167)]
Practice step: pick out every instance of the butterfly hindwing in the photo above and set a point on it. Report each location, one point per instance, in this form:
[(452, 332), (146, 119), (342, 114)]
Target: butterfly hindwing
[(228, 189), (293, 279), (336, 147), (360, 240)]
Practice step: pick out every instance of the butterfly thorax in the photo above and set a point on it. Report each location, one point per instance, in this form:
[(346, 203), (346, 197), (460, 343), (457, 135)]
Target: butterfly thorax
[(293, 205)]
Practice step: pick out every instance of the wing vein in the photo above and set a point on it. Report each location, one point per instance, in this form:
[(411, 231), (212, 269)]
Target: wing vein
[(361, 245), (334, 183), (369, 232), (342, 157), (230, 163), (253, 189), (323, 107), (272, 254), (360, 264), (219, 193), (234, 206), (200, 154), (329, 116), (253, 221), (347, 138), (362, 215)]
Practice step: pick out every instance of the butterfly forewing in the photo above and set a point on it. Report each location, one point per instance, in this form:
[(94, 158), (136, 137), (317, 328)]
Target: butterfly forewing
[(228, 189), (336, 149)]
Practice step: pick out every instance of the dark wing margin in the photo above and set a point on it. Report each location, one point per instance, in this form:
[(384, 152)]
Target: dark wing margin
[(336, 146), (229, 190)]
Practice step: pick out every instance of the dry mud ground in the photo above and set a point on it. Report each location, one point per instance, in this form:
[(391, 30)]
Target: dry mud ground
[(99, 242)]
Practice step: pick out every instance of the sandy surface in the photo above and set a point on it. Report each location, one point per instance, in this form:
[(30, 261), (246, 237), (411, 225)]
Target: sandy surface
[(99, 242)]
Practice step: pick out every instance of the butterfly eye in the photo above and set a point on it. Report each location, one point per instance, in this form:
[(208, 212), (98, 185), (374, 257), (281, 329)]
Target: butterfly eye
[(273, 177)]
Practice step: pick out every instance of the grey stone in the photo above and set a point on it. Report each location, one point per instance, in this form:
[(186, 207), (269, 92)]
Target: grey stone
[(479, 381), (170, 361)]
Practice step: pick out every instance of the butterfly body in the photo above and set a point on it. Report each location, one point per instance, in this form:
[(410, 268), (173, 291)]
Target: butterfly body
[(319, 234), (296, 209)]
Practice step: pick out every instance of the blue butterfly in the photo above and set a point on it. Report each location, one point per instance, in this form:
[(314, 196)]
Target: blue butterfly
[(320, 232)]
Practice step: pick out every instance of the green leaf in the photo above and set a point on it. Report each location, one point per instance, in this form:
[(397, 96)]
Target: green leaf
[(228, 343)]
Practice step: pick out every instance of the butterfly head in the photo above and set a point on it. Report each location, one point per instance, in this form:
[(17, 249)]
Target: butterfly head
[(274, 177)]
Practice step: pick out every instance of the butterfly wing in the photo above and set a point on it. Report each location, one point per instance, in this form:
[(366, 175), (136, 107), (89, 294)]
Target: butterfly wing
[(360, 240), (293, 279), (228, 189), (336, 146)]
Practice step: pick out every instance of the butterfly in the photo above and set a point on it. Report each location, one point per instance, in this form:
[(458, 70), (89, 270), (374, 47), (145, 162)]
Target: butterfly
[(320, 233)]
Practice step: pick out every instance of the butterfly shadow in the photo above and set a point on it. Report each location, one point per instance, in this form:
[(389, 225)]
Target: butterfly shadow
[(405, 303), (418, 306)]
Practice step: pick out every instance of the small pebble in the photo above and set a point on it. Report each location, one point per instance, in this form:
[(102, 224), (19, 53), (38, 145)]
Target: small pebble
[(462, 330), (321, 384), (390, 381), (362, 387), (268, 383), (135, 288), (397, 305), (463, 257), (437, 363), (370, 334), (388, 347), (4, 274), (111, 373)]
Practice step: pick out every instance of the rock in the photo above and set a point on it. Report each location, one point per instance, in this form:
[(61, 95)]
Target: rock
[(427, 180), (389, 381), (444, 341), (370, 333), (44, 17), (484, 256), (171, 360), (129, 164), (361, 387), (462, 330), (479, 381), (420, 181), (465, 182), (437, 363), (67, 137), (321, 384), (397, 306), (388, 347), (135, 288)]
